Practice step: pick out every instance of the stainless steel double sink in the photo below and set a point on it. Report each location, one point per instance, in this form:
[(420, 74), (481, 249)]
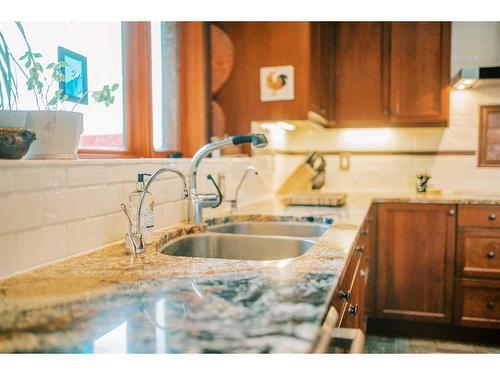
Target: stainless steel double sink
[(249, 241)]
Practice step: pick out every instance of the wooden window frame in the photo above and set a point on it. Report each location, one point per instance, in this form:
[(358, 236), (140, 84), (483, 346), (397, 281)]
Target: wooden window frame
[(482, 160), (138, 111)]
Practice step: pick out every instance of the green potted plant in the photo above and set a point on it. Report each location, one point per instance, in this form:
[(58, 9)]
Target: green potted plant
[(58, 131)]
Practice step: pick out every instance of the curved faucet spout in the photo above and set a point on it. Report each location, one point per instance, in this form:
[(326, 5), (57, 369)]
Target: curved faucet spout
[(139, 247), (198, 201)]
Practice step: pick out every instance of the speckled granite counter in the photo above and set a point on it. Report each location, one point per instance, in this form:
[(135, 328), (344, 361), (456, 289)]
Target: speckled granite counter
[(107, 301)]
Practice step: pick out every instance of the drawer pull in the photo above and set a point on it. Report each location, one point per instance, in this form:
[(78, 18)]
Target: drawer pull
[(490, 305), (490, 255), (344, 295), (352, 309), (451, 211), (492, 217), (360, 249)]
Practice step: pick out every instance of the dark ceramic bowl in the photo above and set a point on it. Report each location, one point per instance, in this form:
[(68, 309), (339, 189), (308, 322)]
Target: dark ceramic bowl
[(15, 142)]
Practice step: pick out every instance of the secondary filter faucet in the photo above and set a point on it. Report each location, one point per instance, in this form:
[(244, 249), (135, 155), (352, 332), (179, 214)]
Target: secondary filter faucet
[(234, 202), (135, 239), (199, 201)]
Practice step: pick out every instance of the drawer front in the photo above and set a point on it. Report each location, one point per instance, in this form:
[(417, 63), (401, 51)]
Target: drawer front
[(343, 292), (479, 216), (478, 253), (478, 303)]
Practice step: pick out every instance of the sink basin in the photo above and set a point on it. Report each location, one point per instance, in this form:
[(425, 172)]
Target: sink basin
[(242, 247), (290, 229)]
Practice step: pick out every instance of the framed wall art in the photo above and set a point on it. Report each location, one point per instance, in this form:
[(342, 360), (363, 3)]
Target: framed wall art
[(276, 83), (489, 136), (75, 83)]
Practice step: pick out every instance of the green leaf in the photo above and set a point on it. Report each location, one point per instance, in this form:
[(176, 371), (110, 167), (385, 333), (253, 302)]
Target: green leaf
[(27, 65), (51, 65), (114, 87), (53, 101)]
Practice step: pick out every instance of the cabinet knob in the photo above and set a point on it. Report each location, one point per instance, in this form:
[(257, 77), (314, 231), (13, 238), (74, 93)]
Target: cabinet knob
[(362, 273), (492, 217), (364, 232), (352, 309), (490, 254), (490, 305), (344, 295), (451, 212), (360, 249)]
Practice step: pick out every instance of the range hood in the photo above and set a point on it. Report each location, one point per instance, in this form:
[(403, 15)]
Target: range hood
[(469, 77)]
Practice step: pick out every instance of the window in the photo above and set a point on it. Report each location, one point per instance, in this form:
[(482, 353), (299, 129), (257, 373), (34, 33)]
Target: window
[(142, 57), (101, 44), (165, 85)]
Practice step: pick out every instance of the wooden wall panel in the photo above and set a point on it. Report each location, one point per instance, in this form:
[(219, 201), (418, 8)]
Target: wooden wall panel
[(194, 86), (259, 44)]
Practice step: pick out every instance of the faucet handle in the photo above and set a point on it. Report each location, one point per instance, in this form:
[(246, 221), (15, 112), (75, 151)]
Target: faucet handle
[(209, 177)]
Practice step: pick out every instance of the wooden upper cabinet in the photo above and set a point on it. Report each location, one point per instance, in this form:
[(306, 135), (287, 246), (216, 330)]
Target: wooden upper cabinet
[(419, 72), (361, 74), (415, 261), (388, 74)]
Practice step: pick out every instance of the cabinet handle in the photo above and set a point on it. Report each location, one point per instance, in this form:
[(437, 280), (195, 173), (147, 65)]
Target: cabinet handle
[(344, 295), (492, 217), (362, 273), (490, 305), (352, 309), (451, 212), (360, 249), (364, 232), (490, 254)]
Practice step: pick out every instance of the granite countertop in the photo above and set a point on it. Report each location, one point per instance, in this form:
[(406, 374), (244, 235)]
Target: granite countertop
[(107, 301)]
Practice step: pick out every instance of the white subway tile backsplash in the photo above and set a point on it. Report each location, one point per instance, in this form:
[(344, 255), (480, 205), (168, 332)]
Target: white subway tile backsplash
[(55, 209), (6, 181), (85, 176), (121, 173), (66, 205), (86, 235), (104, 199), (8, 255), (116, 227), (42, 246), (20, 211)]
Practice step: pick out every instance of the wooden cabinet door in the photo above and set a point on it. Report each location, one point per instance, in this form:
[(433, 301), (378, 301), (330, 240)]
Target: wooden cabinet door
[(322, 70), (361, 74), (415, 261), (420, 72)]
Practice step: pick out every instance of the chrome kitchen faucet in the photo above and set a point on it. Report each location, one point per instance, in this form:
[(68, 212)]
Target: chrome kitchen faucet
[(136, 238), (199, 201)]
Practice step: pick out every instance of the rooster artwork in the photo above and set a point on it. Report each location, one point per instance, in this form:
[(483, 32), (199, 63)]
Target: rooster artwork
[(276, 83)]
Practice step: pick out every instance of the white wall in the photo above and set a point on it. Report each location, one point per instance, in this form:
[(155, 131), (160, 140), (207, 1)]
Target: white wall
[(50, 210)]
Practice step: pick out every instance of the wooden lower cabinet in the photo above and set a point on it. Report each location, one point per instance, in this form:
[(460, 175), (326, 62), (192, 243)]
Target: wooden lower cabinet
[(415, 261), (477, 303), (351, 295)]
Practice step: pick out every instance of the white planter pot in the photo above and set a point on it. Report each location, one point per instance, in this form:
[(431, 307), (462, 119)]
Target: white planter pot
[(57, 132)]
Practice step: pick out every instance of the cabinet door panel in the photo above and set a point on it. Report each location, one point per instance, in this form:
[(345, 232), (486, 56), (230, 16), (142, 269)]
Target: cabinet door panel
[(420, 70), (415, 261), (361, 74)]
